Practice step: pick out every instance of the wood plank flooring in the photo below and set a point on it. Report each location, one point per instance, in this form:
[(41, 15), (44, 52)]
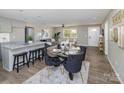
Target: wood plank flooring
[(100, 71), (24, 73)]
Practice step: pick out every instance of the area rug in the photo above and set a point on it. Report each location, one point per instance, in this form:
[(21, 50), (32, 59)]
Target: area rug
[(56, 77)]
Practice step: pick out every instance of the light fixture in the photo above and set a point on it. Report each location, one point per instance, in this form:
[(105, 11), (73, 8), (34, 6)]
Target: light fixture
[(21, 10), (63, 25)]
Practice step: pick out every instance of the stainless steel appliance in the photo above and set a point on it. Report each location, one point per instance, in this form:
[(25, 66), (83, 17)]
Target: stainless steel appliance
[(29, 31)]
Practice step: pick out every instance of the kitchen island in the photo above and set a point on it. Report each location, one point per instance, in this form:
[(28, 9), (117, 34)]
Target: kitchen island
[(8, 50)]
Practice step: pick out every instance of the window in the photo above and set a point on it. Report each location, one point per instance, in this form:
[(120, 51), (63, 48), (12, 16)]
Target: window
[(69, 33)]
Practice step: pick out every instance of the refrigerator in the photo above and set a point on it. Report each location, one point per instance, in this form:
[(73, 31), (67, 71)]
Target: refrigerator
[(29, 31)]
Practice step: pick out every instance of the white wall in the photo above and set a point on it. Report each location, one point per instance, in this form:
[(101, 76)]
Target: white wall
[(82, 33), (115, 54)]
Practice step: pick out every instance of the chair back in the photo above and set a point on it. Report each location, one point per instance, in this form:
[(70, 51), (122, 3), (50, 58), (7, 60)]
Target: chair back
[(74, 62), (50, 60), (46, 57), (83, 49)]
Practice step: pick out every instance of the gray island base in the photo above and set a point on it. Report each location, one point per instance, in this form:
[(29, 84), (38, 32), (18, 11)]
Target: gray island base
[(8, 50)]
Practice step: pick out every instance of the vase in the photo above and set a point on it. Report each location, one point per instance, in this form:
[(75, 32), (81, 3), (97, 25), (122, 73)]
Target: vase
[(30, 42)]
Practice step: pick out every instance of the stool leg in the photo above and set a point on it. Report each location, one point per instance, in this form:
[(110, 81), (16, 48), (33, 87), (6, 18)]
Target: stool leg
[(17, 64), (42, 54), (33, 57), (23, 59), (36, 55), (29, 56), (14, 63), (27, 60), (39, 54)]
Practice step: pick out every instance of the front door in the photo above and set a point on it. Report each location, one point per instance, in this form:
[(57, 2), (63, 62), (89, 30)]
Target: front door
[(93, 36)]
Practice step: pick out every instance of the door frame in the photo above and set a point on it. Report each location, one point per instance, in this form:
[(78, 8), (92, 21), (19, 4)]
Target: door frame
[(106, 34)]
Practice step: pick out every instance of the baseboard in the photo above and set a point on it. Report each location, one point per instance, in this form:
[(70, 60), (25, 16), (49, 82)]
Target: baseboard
[(117, 74), (6, 69)]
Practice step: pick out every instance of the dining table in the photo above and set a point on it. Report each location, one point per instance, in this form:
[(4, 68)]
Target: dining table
[(53, 51)]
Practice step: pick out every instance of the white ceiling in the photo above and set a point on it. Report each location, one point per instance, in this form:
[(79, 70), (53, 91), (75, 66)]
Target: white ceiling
[(56, 17)]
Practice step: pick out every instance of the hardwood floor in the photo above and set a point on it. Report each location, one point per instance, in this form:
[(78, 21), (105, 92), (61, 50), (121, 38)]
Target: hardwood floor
[(100, 71), (24, 73)]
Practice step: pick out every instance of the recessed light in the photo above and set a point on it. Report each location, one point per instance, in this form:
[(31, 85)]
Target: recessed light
[(38, 16), (21, 10)]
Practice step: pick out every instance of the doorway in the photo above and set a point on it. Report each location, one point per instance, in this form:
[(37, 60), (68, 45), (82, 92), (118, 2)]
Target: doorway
[(93, 36)]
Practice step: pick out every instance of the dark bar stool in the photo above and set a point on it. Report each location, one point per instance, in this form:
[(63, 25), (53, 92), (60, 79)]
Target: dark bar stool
[(33, 56), (18, 63), (40, 53)]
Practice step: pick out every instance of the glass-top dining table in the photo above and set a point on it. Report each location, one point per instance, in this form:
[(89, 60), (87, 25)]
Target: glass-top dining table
[(54, 51)]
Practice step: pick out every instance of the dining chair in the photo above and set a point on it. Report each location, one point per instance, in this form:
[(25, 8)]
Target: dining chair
[(83, 49), (73, 64), (50, 61)]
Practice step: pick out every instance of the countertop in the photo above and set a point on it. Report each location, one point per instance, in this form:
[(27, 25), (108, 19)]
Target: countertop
[(17, 46)]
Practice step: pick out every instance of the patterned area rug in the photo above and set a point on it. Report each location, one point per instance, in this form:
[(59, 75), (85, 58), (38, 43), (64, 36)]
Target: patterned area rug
[(56, 76)]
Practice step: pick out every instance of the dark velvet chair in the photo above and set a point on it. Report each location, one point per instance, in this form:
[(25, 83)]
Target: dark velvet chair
[(45, 47), (50, 61), (73, 64), (83, 49)]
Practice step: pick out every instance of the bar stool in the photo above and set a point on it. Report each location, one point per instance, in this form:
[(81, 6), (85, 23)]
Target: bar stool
[(33, 56), (40, 53), (18, 63)]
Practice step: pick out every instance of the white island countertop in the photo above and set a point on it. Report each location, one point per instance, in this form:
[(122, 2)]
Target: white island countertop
[(18, 46), (11, 48)]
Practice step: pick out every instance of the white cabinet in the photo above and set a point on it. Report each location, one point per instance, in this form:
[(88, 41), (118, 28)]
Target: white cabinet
[(18, 35), (5, 25), (18, 23)]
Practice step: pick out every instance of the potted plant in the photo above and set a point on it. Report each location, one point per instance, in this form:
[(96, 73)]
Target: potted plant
[(57, 36), (29, 39)]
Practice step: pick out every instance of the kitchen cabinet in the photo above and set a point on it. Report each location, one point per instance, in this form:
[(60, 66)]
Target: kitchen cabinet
[(18, 35), (5, 25), (18, 24)]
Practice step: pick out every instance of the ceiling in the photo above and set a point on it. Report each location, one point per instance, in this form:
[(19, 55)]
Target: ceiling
[(56, 17)]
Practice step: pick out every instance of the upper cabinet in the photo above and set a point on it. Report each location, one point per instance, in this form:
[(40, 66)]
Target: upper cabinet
[(16, 23), (5, 25)]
